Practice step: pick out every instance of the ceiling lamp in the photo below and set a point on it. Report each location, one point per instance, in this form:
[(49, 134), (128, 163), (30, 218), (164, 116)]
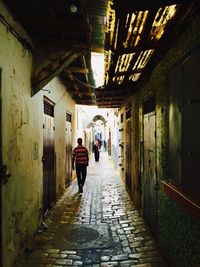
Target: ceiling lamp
[(73, 7)]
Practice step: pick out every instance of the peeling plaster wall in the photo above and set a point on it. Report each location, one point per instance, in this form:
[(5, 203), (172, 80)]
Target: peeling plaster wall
[(21, 195), (22, 128)]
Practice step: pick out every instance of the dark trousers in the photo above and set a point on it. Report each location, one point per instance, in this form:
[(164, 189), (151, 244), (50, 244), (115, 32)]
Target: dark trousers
[(81, 172), (96, 155)]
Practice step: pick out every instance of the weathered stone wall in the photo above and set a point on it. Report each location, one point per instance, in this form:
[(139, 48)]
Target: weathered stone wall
[(22, 134), (178, 233)]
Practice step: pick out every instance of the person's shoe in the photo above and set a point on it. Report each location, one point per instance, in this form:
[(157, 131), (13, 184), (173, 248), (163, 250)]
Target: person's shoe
[(80, 189)]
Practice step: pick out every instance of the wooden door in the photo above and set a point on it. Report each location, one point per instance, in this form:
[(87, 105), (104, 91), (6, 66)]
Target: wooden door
[(128, 154), (109, 144), (149, 175), (49, 181), (68, 165)]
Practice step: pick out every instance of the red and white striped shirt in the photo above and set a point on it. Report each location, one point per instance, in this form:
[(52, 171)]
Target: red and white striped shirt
[(80, 154)]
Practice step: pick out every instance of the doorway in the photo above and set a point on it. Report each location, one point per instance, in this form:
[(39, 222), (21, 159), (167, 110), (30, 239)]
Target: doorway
[(68, 166), (149, 168), (128, 149), (109, 143), (49, 180)]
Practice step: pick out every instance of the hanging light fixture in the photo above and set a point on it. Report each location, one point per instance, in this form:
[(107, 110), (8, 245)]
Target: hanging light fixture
[(73, 7)]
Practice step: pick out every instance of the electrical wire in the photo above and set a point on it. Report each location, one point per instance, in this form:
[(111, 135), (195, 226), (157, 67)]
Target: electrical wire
[(23, 41)]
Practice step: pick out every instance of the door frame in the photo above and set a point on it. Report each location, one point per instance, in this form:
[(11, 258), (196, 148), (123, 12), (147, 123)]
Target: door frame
[(68, 162), (1, 163), (149, 109), (53, 192), (128, 173)]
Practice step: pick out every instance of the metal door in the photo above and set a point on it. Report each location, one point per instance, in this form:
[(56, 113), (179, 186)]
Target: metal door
[(150, 182), (49, 182), (128, 155), (190, 151), (68, 166)]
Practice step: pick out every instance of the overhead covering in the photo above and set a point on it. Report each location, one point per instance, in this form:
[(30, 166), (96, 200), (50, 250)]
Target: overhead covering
[(138, 35), (134, 35)]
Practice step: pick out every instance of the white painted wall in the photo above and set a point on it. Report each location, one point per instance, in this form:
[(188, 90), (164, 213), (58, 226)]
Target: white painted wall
[(63, 103), (22, 129)]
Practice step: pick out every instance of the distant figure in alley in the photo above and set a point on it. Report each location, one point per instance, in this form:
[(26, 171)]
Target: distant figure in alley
[(80, 159), (96, 150)]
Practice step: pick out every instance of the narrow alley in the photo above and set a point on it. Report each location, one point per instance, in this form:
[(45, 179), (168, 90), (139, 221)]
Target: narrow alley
[(100, 227), (123, 77)]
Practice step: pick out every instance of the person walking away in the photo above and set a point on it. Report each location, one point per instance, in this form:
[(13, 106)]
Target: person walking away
[(96, 148), (80, 159)]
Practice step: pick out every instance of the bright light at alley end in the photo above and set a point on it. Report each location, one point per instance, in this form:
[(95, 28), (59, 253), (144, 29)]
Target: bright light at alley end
[(97, 62)]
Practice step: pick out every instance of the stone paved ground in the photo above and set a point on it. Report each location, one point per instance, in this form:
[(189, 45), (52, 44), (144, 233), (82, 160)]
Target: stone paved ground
[(99, 228)]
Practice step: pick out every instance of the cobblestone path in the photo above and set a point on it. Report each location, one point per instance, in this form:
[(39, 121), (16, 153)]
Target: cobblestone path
[(99, 228)]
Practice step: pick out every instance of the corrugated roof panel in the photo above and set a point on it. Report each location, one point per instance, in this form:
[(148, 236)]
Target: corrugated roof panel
[(97, 13), (162, 17)]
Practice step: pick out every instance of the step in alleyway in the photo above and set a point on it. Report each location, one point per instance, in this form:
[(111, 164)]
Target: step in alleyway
[(98, 228)]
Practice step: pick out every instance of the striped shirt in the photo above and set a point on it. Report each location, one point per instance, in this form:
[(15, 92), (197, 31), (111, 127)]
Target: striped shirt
[(80, 153)]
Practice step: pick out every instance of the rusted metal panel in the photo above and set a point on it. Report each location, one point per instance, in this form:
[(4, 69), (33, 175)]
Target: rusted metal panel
[(149, 176)]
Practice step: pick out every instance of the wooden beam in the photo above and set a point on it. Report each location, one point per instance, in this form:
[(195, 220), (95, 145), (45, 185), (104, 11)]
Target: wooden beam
[(53, 15), (108, 106), (48, 21), (86, 19), (139, 5), (127, 73), (79, 84), (77, 69), (47, 73), (86, 93), (116, 102), (140, 47), (97, 49), (110, 98), (110, 92), (83, 62), (85, 102), (148, 25), (62, 44)]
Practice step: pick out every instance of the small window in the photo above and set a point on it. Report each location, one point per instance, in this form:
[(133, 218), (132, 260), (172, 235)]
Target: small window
[(122, 117), (68, 117), (149, 105), (128, 114), (48, 108)]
